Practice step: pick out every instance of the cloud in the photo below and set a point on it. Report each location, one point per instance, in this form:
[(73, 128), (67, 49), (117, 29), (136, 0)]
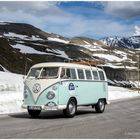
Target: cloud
[(51, 18), (33, 7), (93, 28), (125, 9)]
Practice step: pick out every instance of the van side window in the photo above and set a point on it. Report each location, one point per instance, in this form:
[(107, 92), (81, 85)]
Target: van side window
[(73, 74), (95, 75), (101, 74), (68, 73), (65, 73), (80, 74), (88, 74)]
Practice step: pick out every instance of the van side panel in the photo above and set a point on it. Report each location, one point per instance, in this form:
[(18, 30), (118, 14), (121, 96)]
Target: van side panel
[(86, 92), (89, 92)]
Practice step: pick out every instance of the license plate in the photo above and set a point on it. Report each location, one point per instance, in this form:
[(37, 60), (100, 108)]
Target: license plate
[(34, 107), (51, 108)]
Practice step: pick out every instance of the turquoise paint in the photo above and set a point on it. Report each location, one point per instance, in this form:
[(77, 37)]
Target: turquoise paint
[(65, 93), (29, 99), (86, 92)]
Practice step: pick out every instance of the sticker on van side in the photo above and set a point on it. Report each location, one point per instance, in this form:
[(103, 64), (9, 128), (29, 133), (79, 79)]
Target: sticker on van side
[(71, 86)]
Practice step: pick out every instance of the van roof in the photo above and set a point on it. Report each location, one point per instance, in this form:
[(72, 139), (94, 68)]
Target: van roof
[(63, 64)]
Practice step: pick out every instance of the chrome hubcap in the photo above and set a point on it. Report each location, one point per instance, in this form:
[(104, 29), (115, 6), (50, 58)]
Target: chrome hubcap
[(102, 105), (72, 108)]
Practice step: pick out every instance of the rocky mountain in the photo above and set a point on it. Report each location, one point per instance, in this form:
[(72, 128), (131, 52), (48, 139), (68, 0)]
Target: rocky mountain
[(132, 42), (23, 45)]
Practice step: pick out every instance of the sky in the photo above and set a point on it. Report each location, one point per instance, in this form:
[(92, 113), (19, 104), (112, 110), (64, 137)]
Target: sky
[(76, 18)]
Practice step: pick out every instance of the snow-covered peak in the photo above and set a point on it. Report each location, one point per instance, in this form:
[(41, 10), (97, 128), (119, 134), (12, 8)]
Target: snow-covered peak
[(111, 41), (137, 31), (124, 42)]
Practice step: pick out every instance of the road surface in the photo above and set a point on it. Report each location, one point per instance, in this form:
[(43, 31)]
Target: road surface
[(121, 119)]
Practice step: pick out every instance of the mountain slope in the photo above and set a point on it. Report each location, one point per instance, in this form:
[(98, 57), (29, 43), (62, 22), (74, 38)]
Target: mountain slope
[(22, 44)]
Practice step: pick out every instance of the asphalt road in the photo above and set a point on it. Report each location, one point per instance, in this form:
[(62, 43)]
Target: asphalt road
[(121, 119)]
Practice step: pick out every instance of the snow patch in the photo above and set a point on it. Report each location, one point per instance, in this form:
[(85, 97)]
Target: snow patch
[(29, 50), (92, 47), (62, 54), (58, 40), (94, 43), (119, 67), (87, 43), (35, 38), (110, 57), (26, 49), (10, 34), (57, 52), (23, 37)]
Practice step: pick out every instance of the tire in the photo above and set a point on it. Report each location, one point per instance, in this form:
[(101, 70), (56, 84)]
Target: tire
[(100, 106), (71, 109), (34, 113)]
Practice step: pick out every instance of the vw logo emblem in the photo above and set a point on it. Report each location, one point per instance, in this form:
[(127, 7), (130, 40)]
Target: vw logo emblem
[(36, 88)]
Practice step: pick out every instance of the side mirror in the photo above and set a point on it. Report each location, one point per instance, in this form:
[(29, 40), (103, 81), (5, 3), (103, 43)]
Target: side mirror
[(23, 77)]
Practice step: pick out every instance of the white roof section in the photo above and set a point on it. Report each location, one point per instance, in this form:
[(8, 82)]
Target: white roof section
[(62, 64)]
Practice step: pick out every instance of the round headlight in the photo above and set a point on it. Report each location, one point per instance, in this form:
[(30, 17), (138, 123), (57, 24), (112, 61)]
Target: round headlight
[(50, 95)]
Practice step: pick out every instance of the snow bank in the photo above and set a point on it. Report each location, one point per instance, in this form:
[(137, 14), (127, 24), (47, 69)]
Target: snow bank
[(11, 89), (116, 93), (11, 93)]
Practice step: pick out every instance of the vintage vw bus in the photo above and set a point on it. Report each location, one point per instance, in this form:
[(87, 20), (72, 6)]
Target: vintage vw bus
[(64, 86)]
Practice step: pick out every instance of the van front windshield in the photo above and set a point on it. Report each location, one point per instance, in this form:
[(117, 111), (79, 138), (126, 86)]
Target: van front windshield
[(44, 73)]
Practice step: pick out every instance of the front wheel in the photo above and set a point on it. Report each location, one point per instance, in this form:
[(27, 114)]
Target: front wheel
[(34, 113), (100, 106), (71, 109)]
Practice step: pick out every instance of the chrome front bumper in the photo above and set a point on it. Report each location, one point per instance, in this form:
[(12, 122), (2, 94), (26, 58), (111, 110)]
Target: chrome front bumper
[(43, 107)]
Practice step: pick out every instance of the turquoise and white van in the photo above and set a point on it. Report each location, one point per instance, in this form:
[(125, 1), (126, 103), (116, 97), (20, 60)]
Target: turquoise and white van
[(64, 86)]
